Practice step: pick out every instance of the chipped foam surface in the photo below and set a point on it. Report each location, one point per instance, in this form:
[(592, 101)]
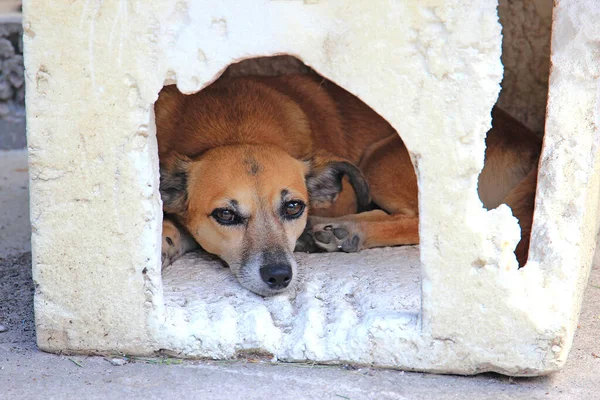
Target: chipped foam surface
[(344, 305)]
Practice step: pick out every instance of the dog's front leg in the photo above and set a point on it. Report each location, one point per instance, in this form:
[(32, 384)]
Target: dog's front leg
[(366, 230), (175, 242)]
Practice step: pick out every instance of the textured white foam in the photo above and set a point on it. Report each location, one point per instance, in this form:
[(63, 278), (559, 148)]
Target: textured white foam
[(339, 303)]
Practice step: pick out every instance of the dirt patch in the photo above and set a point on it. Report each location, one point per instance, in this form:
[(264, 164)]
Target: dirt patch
[(16, 299)]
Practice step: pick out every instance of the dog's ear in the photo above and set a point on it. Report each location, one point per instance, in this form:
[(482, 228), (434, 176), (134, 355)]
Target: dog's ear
[(173, 184), (324, 182)]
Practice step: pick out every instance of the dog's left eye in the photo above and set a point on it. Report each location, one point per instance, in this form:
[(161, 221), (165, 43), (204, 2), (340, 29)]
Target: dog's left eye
[(293, 209), (225, 216)]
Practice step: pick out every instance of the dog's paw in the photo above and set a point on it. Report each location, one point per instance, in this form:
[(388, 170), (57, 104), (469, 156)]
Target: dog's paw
[(338, 236), (168, 253), (172, 244)]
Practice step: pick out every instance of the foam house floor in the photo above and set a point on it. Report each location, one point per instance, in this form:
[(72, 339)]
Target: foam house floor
[(334, 313)]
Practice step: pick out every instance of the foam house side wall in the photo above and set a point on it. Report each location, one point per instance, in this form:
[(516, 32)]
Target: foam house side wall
[(431, 68)]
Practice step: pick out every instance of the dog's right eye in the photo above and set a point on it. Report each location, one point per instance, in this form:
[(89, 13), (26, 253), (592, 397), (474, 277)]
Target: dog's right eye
[(225, 216)]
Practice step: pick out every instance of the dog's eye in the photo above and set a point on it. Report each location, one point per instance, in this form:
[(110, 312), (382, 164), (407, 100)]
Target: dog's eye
[(225, 216), (293, 209)]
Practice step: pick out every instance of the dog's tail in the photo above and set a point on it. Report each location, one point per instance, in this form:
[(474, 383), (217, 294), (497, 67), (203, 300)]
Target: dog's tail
[(358, 182), (324, 182)]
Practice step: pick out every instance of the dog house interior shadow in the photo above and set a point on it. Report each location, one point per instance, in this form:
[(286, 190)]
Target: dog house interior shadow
[(338, 294)]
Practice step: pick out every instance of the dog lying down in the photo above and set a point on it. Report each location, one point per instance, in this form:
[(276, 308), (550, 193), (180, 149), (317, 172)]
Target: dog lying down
[(252, 167)]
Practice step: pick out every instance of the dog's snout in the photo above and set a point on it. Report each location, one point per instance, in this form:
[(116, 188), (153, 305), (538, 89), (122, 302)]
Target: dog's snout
[(277, 276)]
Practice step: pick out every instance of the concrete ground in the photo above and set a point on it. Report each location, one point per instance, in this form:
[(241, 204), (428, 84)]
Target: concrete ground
[(26, 372)]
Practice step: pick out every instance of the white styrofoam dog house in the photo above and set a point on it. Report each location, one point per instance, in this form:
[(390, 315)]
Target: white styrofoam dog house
[(431, 68)]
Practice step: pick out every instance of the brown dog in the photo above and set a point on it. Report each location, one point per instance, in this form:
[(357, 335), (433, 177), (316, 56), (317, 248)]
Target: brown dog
[(244, 161)]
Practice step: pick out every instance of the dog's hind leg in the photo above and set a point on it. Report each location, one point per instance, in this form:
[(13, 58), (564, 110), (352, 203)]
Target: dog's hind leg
[(521, 200), (363, 231), (175, 242)]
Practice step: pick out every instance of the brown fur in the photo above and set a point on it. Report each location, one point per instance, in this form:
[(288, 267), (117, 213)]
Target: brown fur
[(251, 139)]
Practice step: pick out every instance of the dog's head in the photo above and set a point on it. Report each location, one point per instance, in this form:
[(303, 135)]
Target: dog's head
[(248, 204)]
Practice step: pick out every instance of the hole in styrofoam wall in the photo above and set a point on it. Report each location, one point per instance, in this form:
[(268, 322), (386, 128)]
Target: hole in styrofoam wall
[(509, 175), (339, 301), (520, 114)]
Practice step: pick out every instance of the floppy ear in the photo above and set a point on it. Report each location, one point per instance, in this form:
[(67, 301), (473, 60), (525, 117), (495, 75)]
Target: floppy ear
[(324, 182), (173, 184)]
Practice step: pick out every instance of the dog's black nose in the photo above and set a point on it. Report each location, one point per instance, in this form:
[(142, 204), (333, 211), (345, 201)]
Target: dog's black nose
[(277, 276)]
